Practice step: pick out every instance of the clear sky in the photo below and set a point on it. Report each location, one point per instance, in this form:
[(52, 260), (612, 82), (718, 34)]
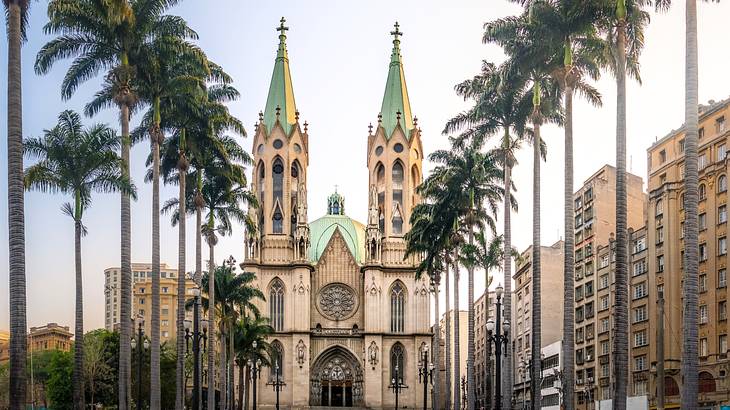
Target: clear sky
[(339, 53)]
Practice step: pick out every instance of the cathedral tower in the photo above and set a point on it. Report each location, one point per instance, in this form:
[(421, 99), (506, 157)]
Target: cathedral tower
[(394, 155), (281, 157)]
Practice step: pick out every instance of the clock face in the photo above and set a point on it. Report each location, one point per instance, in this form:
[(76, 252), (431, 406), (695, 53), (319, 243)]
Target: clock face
[(337, 301)]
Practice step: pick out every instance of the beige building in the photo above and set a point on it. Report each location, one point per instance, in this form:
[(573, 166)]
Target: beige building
[(595, 224), (484, 309), (551, 310), (113, 284), (463, 344), (168, 305), (49, 337), (349, 316), (665, 239)]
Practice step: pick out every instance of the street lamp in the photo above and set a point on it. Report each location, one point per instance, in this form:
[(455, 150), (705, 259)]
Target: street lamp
[(499, 339), (197, 337), (397, 385), (255, 366), (425, 373), (142, 347), (277, 383)]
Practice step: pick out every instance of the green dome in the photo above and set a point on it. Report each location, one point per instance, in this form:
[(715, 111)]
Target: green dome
[(322, 229)]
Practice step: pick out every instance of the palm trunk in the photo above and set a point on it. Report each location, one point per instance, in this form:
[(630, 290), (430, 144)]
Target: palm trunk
[(471, 402), (690, 289), (211, 322), (436, 348), (16, 217), (223, 368), (125, 309), (248, 388), (568, 257), (536, 271), (240, 386), (447, 342), (457, 358), (199, 272), (621, 311), (507, 382), (231, 369), (180, 339), (78, 369), (156, 137)]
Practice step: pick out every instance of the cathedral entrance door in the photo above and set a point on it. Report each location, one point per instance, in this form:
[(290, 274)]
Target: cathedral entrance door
[(336, 379)]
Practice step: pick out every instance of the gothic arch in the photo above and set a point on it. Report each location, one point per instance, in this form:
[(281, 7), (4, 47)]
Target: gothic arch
[(277, 356), (397, 357), (721, 183), (398, 294), (336, 374), (276, 292)]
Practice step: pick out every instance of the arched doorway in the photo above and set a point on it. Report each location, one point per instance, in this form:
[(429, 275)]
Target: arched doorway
[(706, 383), (336, 379)]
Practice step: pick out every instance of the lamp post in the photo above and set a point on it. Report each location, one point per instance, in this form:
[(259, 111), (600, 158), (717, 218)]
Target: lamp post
[(499, 339), (425, 374), (255, 366), (277, 383), (143, 344), (197, 337), (397, 385)]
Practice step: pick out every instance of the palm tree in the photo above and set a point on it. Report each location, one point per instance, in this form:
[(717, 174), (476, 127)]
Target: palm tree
[(497, 105), (16, 13), (77, 162), (111, 36), (248, 330), (622, 22)]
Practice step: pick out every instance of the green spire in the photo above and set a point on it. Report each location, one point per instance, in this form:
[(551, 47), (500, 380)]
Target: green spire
[(395, 101), (280, 102)]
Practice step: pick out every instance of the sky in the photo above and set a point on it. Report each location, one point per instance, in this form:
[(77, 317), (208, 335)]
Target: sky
[(339, 53)]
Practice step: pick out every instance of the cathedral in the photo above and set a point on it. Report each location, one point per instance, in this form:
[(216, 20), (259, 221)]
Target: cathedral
[(351, 321)]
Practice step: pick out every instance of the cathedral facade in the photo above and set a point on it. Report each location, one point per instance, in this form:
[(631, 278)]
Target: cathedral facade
[(351, 321)]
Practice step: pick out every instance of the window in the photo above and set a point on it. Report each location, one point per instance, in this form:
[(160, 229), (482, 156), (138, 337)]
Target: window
[(701, 133), (164, 312), (703, 347), (589, 310), (659, 235), (702, 221), (722, 344), (397, 354), (703, 314), (720, 124), (722, 183), (141, 301), (722, 246), (165, 334), (703, 252), (681, 146), (141, 290), (703, 283), (578, 293), (605, 325), (397, 307), (640, 267), (721, 278), (579, 335), (578, 202), (640, 388), (640, 290), (165, 323), (579, 356), (589, 194), (164, 289), (603, 281), (640, 244), (721, 152), (603, 303), (276, 305), (604, 261), (639, 363), (722, 310), (397, 198), (589, 288), (662, 156), (702, 192), (605, 349), (722, 214), (579, 314), (640, 314), (659, 207), (640, 338), (277, 356), (278, 189)]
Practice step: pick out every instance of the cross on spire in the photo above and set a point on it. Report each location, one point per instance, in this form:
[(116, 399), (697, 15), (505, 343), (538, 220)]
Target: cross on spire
[(282, 27), (397, 33)]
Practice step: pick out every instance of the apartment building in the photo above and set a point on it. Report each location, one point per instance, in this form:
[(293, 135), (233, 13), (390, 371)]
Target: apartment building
[(595, 224), (168, 305), (484, 309), (113, 285), (665, 258), (463, 340), (551, 310), (49, 337)]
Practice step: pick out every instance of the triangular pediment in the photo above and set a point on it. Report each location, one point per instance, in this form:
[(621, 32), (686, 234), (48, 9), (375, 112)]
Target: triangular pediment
[(335, 249)]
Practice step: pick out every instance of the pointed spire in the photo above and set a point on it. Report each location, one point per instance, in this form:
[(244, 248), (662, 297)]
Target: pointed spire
[(280, 102), (396, 99)]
